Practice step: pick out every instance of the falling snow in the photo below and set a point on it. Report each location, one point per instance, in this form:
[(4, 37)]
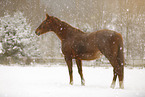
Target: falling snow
[(120, 48), (22, 17), (61, 28)]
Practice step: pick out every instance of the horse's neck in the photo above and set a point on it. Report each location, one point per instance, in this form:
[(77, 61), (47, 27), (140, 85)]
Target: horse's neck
[(64, 31)]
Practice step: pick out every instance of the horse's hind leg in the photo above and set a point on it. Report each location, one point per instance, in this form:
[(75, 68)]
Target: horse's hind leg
[(79, 65), (114, 78), (118, 71), (114, 63), (121, 76)]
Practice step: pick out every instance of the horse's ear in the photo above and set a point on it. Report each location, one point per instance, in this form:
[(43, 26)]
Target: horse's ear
[(47, 16)]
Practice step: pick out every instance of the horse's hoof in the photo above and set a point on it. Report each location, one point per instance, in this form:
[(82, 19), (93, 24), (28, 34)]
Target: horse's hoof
[(71, 83), (83, 82), (113, 85), (121, 85)]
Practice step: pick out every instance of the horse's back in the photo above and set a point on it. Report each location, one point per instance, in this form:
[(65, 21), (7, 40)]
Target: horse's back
[(108, 42), (107, 36)]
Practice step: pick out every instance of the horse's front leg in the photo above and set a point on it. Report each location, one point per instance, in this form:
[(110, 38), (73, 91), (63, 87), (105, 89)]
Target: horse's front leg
[(69, 64), (79, 65)]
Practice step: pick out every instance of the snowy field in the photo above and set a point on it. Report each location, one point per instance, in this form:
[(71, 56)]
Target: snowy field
[(43, 81)]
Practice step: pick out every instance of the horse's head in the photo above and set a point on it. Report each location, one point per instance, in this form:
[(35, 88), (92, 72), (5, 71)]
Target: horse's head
[(45, 26)]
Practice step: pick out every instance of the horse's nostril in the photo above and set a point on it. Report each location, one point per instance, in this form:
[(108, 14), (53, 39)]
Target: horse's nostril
[(37, 33)]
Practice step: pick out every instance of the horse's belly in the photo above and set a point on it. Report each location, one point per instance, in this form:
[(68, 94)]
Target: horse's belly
[(90, 56)]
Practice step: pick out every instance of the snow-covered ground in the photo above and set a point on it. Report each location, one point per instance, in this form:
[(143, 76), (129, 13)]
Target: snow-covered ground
[(38, 81)]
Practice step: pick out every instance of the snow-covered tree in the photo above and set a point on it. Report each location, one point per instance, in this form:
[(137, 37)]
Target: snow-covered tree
[(16, 36)]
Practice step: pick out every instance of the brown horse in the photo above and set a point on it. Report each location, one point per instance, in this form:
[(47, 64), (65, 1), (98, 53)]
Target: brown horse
[(82, 46)]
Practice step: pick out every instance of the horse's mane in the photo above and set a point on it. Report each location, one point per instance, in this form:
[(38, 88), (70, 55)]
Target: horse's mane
[(64, 24)]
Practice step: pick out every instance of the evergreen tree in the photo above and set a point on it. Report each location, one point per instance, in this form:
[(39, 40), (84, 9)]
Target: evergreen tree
[(16, 37)]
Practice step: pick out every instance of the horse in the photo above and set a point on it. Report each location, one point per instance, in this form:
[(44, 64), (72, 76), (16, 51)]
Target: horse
[(78, 45)]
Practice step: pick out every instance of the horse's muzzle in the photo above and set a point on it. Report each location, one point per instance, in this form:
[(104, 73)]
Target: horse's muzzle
[(37, 33)]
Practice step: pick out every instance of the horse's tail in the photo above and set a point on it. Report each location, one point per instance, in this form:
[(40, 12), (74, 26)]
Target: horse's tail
[(120, 56), (120, 59)]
